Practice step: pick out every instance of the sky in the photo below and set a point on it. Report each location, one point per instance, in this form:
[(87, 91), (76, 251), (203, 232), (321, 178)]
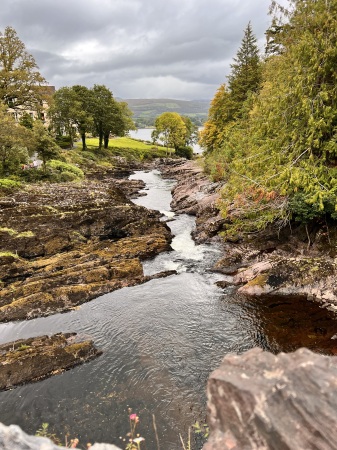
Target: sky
[(179, 49)]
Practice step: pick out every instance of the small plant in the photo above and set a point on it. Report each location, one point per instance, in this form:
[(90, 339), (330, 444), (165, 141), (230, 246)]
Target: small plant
[(202, 429), (134, 439), (22, 348), (44, 432)]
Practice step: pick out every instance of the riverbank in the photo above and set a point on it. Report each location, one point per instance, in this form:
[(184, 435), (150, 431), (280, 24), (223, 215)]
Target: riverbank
[(270, 265)]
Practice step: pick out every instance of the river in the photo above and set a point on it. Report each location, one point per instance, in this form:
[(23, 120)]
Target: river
[(160, 341)]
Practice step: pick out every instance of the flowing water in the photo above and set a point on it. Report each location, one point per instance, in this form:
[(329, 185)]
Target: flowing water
[(160, 341)]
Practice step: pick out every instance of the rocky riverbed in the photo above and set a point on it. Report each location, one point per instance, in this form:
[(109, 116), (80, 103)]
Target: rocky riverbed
[(64, 244), (269, 265)]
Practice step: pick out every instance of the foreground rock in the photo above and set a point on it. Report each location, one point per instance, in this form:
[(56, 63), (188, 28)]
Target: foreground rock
[(64, 244), (36, 358), (13, 438), (261, 401)]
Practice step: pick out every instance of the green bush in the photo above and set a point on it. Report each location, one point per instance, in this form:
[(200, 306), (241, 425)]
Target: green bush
[(68, 176), (184, 152), (63, 141), (62, 167), (7, 183)]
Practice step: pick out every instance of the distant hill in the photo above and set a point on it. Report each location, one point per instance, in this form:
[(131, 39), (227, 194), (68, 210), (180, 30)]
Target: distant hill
[(146, 110)]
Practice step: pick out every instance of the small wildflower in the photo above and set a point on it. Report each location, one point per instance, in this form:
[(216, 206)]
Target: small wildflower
[(133, 416), (138, 440), (74, 443)]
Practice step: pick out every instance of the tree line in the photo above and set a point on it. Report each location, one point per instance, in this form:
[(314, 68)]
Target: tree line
[(271, 133), (71, 110)]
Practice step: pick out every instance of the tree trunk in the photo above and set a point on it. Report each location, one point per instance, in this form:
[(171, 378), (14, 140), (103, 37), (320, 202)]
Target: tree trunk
[(84, 145), (106, 140)]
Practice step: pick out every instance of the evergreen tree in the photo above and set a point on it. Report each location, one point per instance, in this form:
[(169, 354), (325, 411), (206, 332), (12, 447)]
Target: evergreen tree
[(228, 103), (245, 76), (279, 157)]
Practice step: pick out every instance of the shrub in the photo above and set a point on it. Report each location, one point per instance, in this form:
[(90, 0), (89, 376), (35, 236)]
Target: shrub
[(68, 176), (62, 167), (184, 152), (63, 141), (7, 183)]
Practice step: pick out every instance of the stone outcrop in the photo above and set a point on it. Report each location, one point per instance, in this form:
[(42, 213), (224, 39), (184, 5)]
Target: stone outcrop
[(13, 438), (312, 278), (64, 244), (261, 401), (39, 357)]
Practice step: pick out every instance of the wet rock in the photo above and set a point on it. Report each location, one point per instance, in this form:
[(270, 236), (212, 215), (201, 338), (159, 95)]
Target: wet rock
[(222, 284), (163, 274), (262, 401), (311, 278), (39, 357), (13, 438), (66, 244)]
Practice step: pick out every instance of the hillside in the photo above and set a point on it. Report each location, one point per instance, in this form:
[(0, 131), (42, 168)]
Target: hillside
[(146, 110)]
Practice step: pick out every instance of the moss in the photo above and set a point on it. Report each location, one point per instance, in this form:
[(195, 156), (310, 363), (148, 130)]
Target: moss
[(260, 280), (13, 255), (25, 234), (9, 231)]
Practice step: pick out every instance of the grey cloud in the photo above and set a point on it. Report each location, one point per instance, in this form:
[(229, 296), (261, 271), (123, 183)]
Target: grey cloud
[(181, 47)]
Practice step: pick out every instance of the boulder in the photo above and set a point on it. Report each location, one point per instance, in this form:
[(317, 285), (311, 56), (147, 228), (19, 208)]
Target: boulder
[(261, 401), (39, 357), (13, 438)]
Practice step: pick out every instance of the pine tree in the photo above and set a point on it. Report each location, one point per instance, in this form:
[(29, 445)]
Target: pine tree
[(245, 76)]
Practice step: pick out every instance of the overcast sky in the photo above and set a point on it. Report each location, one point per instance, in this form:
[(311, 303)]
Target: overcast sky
[(177, 49)]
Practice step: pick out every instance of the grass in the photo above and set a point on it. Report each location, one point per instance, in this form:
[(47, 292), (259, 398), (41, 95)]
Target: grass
[(131, 149), (122, 142)]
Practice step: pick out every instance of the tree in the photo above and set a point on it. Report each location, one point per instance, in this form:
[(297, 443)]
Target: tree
[(280, 158), (26, 120), (192, 133), (64, 112), (246, 73), (171, 129), (16, 142), (109, 116), (82, 111), (44, 144), (20, 80), (221, 112)]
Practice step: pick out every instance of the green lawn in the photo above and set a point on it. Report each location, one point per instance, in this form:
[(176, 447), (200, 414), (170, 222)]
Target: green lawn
[(121, 142), (128, 147)]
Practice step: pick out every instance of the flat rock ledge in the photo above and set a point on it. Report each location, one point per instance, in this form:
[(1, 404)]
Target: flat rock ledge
[(260, 401), (64, 244), (310, 278), (13, 438), (36, 358)]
